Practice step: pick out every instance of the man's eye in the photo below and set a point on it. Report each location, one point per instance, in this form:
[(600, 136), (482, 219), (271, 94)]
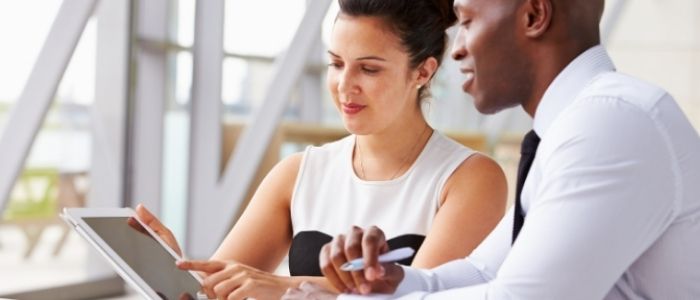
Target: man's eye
[(466, 23)]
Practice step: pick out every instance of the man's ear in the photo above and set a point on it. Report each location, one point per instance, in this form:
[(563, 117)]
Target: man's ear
[(537, 17), (426, 70)]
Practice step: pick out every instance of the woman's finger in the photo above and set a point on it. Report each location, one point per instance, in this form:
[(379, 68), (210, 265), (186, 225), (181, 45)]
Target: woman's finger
[(163, 232), (207, 266)]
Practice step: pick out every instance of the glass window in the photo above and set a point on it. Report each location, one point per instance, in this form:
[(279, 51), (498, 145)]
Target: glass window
[(183, 25), (235, 88), (36, 249), (20, 48), (176, 130), (262, 28), (182, 77)]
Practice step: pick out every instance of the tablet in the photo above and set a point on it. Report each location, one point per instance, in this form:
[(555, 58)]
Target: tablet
[(138, 255)]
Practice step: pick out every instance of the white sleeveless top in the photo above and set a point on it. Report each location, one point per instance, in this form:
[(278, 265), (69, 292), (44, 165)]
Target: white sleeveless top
[(329, 198)]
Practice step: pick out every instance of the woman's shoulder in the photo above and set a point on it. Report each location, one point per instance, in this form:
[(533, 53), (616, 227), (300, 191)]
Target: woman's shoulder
[(285, 171), (291, 162), (443, 154), (334, 146), (329, 151), (481, 163), (475, 172), (444, 143)]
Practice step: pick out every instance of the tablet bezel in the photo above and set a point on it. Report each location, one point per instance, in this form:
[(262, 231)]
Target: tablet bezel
[(74, 217)]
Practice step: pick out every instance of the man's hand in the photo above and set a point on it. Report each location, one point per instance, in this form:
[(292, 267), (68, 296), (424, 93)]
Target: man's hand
[(369, 244)]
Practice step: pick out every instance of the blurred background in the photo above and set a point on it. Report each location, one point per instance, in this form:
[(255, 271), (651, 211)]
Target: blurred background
[(184, 105)]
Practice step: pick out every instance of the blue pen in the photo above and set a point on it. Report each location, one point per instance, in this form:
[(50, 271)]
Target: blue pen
[(391, 256)]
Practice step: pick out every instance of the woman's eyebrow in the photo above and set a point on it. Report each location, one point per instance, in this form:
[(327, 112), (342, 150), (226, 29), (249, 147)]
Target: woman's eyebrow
[(371, 57), (333, 54)]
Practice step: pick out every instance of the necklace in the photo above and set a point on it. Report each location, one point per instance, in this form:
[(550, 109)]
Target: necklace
[(403, 161)]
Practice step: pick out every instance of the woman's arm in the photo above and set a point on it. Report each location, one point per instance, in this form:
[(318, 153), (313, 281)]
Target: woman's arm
[(472, 203), (232, 280), (243, 264), (262, 235)]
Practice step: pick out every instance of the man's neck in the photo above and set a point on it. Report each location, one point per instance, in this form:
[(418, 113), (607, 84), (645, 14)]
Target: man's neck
[(549, 63)]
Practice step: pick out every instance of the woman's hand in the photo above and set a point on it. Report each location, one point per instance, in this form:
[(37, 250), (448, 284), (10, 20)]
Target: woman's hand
[(309, 291), (163, 232), (231, 280), (369, 244)]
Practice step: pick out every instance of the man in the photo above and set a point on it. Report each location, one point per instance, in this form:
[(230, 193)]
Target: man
[(611, 205)]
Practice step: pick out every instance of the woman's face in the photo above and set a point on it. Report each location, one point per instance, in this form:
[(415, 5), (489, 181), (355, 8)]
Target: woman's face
[(369, 77)]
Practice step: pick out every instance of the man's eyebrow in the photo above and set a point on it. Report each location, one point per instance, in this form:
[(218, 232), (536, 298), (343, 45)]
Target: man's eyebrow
[(456, 8)]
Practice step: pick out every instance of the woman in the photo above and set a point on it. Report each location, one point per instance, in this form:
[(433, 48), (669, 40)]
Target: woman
[(394, 171)]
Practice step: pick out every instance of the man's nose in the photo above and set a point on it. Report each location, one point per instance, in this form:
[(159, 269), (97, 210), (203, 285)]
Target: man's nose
[(458, 51)]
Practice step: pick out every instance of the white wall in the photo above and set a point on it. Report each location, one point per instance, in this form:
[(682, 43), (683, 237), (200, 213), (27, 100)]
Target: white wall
[(659, 41)]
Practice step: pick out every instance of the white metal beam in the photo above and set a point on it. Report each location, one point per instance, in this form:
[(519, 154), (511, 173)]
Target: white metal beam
[(212, 210), (28, 114), (109, 115), (148, 105), (311, 82), (205, 129), (311, 85), (109, 110)]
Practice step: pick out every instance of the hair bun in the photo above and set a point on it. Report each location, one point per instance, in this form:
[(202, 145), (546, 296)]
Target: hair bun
[(446, 10)]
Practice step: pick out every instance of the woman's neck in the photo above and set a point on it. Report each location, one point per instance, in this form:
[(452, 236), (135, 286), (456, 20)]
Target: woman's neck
[(388, 154)]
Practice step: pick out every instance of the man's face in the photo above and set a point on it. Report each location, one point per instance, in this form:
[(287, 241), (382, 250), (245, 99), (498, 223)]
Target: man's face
[(490, 54)]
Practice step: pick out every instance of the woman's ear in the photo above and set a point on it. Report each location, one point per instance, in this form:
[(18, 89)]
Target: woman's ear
[(537, 17), (426, 70)]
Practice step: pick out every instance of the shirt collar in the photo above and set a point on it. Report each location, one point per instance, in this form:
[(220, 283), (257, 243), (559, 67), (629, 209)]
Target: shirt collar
[(563, 90)]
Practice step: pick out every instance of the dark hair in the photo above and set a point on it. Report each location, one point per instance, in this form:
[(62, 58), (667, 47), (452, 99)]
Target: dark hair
[(419, 24)]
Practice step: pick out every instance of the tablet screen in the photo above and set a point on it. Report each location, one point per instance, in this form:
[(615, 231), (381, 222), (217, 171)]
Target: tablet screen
[(145, 256)]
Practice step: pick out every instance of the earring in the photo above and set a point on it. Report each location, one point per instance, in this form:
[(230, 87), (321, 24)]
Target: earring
[(418, 87)]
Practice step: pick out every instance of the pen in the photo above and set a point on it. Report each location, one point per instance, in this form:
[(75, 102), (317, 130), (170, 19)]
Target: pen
[(391, 256)]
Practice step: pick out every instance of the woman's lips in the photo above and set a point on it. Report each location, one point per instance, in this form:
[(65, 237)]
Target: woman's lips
[(352, 108)]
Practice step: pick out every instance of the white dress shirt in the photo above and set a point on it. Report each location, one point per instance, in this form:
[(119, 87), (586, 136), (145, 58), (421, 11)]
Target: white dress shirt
[(612, 201)]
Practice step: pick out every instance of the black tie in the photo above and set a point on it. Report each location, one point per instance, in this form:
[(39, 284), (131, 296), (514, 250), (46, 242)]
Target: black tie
[(527, 155)]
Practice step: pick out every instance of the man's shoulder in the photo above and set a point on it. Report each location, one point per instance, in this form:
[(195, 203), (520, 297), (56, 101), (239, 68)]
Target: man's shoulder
[(616, 110), (624, 88), (612, 107)]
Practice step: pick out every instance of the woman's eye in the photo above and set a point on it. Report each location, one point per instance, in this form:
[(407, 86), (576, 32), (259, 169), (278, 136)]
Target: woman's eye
[(370, 70), (334, 65), (466, 23)]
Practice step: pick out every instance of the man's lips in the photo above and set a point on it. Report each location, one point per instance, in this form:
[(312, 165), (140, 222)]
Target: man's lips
[(352, 108), (468, 78)]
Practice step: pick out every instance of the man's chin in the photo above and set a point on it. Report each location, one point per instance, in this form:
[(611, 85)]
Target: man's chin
[(488, 108)]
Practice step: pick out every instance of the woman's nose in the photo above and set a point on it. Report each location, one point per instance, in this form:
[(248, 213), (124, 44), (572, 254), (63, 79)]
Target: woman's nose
[(346, 83)]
